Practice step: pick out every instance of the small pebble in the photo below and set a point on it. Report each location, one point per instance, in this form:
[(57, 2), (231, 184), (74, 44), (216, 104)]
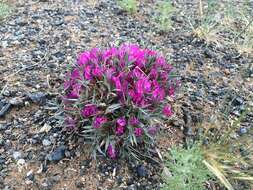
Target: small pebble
[(46, 142)]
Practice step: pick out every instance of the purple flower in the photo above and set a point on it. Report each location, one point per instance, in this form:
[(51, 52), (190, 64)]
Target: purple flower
[(137, 73), (99, 121), (150, 52), (75, 92), (120, 130), (121, 122), (138, 132), (153, 74), (137, 98), (158, 94), (97, 71), (146, 85), (87, 72), (134, 121), (67, 84), (117, 83), (111, 152), (109, 53), (109, 73), (89, 110), (152, 130), (128, 75), (94, 54), (143, 85), (164, 76), (167, 110), (83, 58), (75, 74), (70, 123), (171, 91), (160, 61)]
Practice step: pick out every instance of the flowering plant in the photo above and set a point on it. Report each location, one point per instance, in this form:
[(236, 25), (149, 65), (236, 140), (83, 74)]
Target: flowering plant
[(117, 98)]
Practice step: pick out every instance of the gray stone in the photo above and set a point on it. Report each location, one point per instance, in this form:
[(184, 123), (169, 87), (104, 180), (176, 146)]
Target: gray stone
[(46, 142), (17, 155)]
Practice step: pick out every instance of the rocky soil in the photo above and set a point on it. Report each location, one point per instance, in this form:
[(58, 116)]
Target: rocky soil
[(40, 39)]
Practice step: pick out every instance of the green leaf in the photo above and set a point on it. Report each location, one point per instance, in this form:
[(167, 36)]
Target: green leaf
[(112, 108)]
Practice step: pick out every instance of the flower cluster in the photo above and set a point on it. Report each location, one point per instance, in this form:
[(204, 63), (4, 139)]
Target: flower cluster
[(117, 97)]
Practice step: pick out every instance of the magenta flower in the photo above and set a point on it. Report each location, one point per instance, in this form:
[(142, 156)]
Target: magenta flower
[(150, 52), (171, 91), (121, 122), (83, 58), (139, 87), (167, 110), (97, 71), (70, 123), (117, 83), (75, 74), (146, 85), (109, 73), (160, 61), (111, 152), (109, 53), (138, 132), (127, 76), (87, 72), (143, 86), (75, 92), (153, 74), (134, 121), (136, 97), (137, 73), (152, 130), (158, 93), (89, 110), (120, 130), (99, 121), (94, 54), (67, 84), (164, 76)]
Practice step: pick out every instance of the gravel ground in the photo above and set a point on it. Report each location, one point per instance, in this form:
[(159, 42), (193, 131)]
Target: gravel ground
[(38, 42)]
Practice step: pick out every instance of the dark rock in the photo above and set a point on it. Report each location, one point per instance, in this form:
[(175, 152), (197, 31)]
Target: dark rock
[(132, 187), (4, 109), (237, 101), (16, 101), (30, 176), (79, 184), (197, 117), (1, 141), (141, 171), (243, 130), (38, 97), (57, 154), (188, 131), (67, 154), (3, 126), (58, 22), (187, 117), (2, 160)]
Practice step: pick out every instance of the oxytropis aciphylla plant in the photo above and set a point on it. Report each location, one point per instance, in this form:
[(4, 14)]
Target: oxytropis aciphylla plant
[(117, 98)]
